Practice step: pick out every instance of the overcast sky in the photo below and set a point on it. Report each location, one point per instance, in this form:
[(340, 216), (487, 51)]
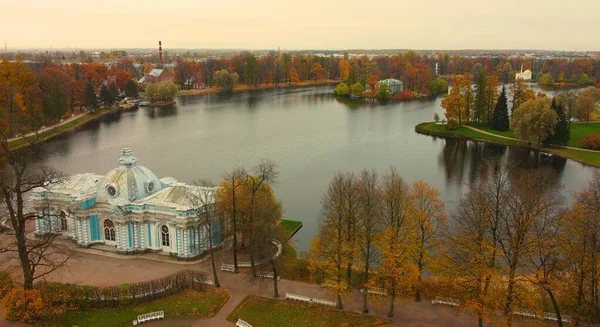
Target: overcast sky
[(302, 24)]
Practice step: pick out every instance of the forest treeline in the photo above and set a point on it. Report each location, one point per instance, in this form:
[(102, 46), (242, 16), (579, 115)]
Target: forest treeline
[(510, 243)]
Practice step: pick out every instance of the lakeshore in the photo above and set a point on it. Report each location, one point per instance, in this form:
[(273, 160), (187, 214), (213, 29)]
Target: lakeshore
[(245, 88), (589, 157)]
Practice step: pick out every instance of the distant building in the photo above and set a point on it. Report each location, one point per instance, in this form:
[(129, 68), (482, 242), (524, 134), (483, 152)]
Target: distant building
[(156, 75), (394, 85), (524, 75)]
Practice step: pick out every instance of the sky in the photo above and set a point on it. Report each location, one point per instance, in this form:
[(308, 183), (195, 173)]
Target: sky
[(303, 24)]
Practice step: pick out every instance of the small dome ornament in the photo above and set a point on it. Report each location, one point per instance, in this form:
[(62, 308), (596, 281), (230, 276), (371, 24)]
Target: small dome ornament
[(127, 159)]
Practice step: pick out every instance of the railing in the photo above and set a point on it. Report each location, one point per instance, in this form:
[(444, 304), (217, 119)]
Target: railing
[(241, 323), (446, 300), (546, 315), (157, 315), (307, 299)]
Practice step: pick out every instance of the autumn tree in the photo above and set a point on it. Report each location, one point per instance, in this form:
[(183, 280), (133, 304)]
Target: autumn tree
[(546, 80), (131, 89), (568, 100), (341, 89), (225, 80), (491, 96), (294, 76), (438, 86), (534, 120), (91, 100), (54, 84), (106, 96), (228, 202), (531, 199), (427, 212), (201, 198), (370, 226), (261, 176), (327, 256), (459, 102), (520, 93), (480, 108), (586, 103), (396, 268), (357, 89)]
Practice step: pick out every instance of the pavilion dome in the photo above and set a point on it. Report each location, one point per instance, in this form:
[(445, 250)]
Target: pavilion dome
[(128, 182)]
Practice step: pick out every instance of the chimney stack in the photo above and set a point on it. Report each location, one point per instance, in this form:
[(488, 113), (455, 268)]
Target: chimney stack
[(160, 57)]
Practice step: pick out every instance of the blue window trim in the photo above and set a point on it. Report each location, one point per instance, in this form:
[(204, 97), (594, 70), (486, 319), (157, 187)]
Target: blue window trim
[(149, 235), (129, 237)]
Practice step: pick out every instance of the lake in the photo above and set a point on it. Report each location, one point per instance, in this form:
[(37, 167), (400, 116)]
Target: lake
[(307, 131)]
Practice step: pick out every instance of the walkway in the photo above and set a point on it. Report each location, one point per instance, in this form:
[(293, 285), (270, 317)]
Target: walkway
[(513, 139), (50, 128)]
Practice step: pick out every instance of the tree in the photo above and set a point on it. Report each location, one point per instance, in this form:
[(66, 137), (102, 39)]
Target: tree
[(568, 100), (520, 93), (327, 251), (500, 120), (491, 95), (480, 113), (460, 100), (131, 89), (531, 199), (396, 268), (561, 131), (54, 84), (370, 226), (318, 72), (426, 210), (106, 96), (546, 80), (357, 89), (438, 86), (263, 174), (91, 100), (161, 92), (294, 76), (383, 91), (534, 120), (586, 103), (228, 196), (225, 80), (114, 91), (200, 198), (341, 89)]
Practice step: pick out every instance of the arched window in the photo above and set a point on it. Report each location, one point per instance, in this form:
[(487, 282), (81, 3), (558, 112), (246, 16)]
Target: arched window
[(165, 239), (109, 230), (63, 221)]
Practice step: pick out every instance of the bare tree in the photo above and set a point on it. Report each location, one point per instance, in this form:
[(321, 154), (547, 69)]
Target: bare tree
[(351, 219), (265, 172), (531, 196), (201, 197), (370, 226), (235, 179)]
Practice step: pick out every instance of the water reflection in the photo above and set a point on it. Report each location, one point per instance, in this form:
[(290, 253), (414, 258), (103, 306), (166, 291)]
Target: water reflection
[(465, 161), (159, 112)]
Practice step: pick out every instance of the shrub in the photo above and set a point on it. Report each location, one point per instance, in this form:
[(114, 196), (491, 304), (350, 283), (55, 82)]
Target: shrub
[(591, 142), (436, 117), (357, 89), (6, 283), (24, 305), (452, 125), (341, 89)]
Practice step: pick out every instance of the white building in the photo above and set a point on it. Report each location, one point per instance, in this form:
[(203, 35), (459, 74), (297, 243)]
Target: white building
[(394, 85), (130, 209), (525, 75)]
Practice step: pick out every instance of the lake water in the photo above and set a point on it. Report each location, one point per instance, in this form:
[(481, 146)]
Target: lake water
[(308, 132)]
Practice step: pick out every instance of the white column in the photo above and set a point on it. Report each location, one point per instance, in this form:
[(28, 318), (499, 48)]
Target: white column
[(143, 233), (186, 241), (71, 227), (179, 241), (123, 239), (78, 231), (135, 235), (85, 230)]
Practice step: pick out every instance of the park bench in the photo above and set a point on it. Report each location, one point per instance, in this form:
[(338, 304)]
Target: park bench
[(296, 297), (267, 275), (241, 323), (227, 267), (323, 302), (446, 300), (374, 290), (146, 317), (525, 313)]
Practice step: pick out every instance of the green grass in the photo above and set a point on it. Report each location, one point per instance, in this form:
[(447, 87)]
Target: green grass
[(289, 227), (487, 128), (263, 312), (188, 304), (580, 131)]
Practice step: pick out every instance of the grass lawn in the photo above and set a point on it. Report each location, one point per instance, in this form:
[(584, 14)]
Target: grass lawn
[(487, 128), (289, 227), (188, 304), (263, 312), (581, 130)]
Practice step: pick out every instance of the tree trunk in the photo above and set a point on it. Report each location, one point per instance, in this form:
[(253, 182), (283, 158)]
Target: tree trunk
[(366, 282), (509, 295), (392, 300), (214, 268), (339, 283), (235, 258), (275, 275), (556, 308), (250, 235)]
